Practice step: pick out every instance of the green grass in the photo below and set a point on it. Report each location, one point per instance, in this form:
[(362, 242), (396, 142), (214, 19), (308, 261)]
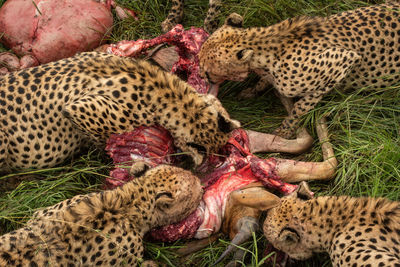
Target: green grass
[(364, 129)]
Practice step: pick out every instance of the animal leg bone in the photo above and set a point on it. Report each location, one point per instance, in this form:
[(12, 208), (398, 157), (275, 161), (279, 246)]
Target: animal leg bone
[(196, 245), (296, 171), (242, 211), (262, 142)]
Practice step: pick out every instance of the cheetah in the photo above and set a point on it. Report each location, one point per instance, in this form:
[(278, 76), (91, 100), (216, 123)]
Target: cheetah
[(354, 231), (306, 57), (49, 111), (175, 15), (104, 228)]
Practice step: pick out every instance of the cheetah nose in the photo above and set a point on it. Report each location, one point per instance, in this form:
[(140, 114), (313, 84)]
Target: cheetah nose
[(213, 89)]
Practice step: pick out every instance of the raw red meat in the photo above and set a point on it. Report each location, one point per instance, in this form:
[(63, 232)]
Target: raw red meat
[(53, 29), (187, 45), (153, 145), (235, 168)]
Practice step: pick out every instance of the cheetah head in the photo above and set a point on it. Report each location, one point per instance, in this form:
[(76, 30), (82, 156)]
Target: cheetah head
[(284, 231), (175, 192), (224, 56), (209, 128)]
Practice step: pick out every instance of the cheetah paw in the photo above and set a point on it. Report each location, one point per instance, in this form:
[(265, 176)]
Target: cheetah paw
[(139, 168), (286, 133), (166, 25)]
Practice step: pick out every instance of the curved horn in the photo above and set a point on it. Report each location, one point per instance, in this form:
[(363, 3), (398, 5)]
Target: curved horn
[(247, 225)]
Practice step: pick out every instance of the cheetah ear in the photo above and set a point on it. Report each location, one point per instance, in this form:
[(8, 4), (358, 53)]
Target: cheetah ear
[(234, 20), (139, 168), (289, 236), (245, 55), (227, 125), (163, 200)]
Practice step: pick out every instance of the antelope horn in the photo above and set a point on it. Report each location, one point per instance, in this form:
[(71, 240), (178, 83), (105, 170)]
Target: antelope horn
[(246, 226)]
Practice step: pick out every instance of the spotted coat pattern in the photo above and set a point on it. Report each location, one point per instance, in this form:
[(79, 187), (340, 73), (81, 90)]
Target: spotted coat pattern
[(105, 228), (48, 112), (306, 57), (175, 15), (354, 231)]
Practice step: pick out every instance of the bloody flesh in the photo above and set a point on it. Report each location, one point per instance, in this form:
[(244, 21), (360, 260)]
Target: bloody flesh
[(234, 168), (51, 30), (187, 43)]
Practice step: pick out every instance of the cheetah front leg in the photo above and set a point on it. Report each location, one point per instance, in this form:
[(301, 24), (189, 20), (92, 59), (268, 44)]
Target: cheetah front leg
[(175, 15), (301, 107), (330, 67), (211, 21)]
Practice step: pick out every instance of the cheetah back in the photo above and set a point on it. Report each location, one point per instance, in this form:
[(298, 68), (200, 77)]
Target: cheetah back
[(53, 109)]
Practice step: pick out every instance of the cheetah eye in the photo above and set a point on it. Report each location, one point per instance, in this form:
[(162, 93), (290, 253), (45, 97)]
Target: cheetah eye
[(289, 235), (199, 148), (163, 194)]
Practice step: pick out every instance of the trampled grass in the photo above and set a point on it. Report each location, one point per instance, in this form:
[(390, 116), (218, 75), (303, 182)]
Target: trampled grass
[(364, 129)]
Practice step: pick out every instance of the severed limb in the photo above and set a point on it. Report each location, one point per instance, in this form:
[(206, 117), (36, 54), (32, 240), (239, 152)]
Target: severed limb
[(196, 245), (296, 171), (242, 213), (263, 142)]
